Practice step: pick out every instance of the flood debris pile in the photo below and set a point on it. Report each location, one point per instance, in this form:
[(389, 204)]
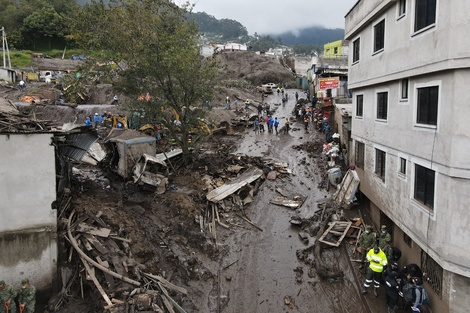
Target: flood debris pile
[(103, 258), (330, 228), (22, 123), (236, 187)]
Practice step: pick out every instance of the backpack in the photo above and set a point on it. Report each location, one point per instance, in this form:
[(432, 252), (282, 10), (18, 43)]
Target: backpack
[(396, 253), (408, 292), (424, 296)]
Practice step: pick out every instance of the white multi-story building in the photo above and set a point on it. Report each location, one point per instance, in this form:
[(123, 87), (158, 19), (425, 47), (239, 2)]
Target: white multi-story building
[(409, 70)]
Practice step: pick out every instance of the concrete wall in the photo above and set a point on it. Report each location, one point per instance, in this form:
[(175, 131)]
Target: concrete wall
[(407, 53), (28, 223), (436, 56)]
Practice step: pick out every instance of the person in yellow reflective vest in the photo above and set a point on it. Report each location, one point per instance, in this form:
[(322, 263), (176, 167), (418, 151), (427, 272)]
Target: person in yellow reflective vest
[(377, 262)]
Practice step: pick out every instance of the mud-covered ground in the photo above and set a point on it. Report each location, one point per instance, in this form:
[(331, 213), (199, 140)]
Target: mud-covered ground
[(246, 269)]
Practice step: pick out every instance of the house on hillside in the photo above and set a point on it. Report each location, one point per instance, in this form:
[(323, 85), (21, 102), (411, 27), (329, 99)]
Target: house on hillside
[(336, 49), (408, 71)]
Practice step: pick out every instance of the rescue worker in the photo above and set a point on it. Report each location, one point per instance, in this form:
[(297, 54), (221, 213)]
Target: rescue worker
[(7, 298), (366, 242), (247, 104), (27, 296), (377, 261), (87, 121), (276, 125), (384, 237), (96, 120)]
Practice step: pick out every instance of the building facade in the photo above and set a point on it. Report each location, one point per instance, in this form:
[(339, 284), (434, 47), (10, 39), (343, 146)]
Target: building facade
[(28, 227), (409, 64)]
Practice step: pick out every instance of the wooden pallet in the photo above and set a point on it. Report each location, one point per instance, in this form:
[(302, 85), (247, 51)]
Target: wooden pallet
[(337, 228)]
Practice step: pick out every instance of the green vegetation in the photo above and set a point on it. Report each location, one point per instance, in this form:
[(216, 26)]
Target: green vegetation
[(19, 58), (157, 55)]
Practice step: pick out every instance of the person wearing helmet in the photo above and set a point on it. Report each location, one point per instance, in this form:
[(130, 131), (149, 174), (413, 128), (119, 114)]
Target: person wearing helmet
[(377, 261), (366, 242), (96, 120)]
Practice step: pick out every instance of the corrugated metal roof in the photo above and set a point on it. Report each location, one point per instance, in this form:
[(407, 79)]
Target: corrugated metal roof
[(76, 145)]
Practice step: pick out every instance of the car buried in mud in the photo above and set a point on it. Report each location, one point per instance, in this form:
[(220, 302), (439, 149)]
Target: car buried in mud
[(264, 88)]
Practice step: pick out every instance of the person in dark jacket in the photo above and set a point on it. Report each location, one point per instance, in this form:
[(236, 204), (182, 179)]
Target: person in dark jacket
[(392, 291)]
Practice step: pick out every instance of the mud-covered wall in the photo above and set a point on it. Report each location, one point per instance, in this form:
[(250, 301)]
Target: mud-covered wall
[(28, 227), (30, 253)]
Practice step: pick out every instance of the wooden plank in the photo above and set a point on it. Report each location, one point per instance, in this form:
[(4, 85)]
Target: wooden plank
[(86, 244), (109, 279), (166, 283), (344, 234), (96, 282), (95, 242), (93, 230), (229, 188), (331, 231)]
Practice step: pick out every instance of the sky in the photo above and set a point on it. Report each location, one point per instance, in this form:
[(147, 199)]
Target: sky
[(277, 16)]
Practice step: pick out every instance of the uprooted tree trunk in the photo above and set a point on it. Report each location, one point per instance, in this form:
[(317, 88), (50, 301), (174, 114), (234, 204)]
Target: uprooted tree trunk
[(321, 268)]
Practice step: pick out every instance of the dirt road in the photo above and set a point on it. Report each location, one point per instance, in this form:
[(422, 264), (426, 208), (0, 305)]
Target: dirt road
[(266, 275)]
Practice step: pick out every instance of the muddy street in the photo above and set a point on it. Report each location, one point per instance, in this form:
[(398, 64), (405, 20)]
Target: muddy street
[(266, 275)]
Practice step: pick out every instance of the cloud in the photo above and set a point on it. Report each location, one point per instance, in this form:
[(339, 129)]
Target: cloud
[(276, 16)]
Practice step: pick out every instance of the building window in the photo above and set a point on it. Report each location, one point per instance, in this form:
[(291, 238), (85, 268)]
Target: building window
[(336, 50), (356, 49), (434, 272), (404, 88), (380, 163), (379, 36), (407, 240), (402, 7), (360, 153), (424, 185), (427, 105), (359, 105), (402, 166), (382, 105), (425, 13)]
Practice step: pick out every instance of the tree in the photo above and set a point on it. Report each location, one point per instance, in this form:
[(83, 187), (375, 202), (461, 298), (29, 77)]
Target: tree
[(44, 24), (156, 49)]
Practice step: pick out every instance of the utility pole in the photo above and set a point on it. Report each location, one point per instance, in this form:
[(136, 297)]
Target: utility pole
[(5, 50)]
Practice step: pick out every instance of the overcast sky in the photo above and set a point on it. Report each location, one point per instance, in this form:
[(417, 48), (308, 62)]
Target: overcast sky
[(277, 16)]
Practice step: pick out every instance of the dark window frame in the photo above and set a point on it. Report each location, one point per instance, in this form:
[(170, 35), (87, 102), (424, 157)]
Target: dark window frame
[(425, 14), (360, 105), (382, 105), (360, 150), (404, 88), (379, 36), (380, 163), (356, 50), (427, 105), (424, 186), (401, 8), (402, 169)]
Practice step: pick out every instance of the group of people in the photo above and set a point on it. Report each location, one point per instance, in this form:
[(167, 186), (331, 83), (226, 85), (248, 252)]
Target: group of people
[(97, 119), (25, 294), (404, 286), (271, 123)]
